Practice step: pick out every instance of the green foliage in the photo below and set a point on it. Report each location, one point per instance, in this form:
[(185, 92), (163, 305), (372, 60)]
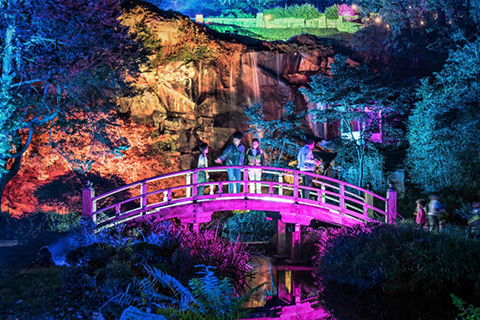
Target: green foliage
[(25, 293), (468, 312), (348, 165), (401, 260), (283, 34), (278, 137), (169, 145), (31, 226), (206, 297), (363, 102), (305, 11), (415, 37), (443, 128), (249, 226), (331, 13)]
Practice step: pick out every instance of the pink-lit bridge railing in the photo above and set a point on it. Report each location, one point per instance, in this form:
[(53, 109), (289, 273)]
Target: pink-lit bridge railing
[(175, 195)]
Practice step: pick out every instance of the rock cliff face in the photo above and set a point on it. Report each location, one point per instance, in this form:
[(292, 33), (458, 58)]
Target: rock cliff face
[(204, 100)]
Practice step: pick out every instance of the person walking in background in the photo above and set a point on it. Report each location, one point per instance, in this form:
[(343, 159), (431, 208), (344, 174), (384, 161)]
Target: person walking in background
[(434, 208), (307, 163), (255, 158), (420, 213), (202, 176), (234, 155)]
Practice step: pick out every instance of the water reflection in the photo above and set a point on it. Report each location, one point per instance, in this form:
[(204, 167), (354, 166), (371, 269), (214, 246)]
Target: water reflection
[(288, 292)]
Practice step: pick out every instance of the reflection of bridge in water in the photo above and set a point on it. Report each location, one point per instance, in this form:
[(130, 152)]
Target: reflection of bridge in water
[(288, 292), (175, 195)]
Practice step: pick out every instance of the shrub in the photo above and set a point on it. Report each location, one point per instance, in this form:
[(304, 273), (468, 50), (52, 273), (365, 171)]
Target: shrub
[(331, 13), (346, 10), (249, 226), (305, 11), (400, 259), (30, 226)]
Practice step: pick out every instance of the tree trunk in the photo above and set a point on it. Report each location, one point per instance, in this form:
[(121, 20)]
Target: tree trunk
[(11, 173), (17, 161)]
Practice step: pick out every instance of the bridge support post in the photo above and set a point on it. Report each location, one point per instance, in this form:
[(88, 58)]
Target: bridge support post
[(88, 194), (391, 204), (281, 238), (196, 227), (296, 242)]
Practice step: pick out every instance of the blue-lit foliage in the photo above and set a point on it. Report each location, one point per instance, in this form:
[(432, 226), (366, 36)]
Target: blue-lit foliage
[(444, 128), (278, 137), (358, 94), (249, 226)]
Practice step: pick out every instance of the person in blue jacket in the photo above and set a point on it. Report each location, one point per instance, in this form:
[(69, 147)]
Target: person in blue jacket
[(234, 155), (307, 163)]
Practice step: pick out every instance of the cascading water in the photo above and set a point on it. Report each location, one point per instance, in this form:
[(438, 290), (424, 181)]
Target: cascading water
[(251, 60)]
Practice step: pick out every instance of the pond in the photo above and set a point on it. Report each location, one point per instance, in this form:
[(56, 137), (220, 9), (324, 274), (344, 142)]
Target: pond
[(285, 292)]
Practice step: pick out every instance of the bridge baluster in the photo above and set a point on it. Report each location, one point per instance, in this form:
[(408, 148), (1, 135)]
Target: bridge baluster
[(88, 206), (188, 182), (295, 186), (342, 195), (391, 204), (165, 196), (280, 187), (194, 183), (245, 182), (143, 192)]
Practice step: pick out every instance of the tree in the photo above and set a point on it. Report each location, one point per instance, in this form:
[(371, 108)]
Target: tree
[(416, 35), (444, 128), (278, 137), (361, 101), (63, 62)]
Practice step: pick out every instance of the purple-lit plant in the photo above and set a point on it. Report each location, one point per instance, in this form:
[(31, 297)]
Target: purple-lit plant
[(347, 11), (231, 258)]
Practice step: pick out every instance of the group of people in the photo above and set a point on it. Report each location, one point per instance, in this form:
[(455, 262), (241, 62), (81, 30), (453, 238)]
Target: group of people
[(234, 155), (428, 216)]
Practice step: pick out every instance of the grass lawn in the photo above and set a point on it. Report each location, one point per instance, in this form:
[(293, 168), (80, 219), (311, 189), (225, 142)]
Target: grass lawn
[(272, 34), (27, 293)]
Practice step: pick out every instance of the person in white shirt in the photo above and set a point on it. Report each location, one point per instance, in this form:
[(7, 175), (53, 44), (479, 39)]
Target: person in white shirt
[(202, 176), (255, 157)]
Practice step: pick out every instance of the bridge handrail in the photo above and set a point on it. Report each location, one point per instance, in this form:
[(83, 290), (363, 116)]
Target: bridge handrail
[(342, 195)]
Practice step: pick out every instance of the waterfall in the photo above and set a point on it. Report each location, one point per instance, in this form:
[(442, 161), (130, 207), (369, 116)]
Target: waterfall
[(250, 76), (200, 79), (232, 90), (255, 84)]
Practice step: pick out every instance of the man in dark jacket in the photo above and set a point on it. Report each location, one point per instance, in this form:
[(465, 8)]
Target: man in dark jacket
[(307, 163), (234, 154)]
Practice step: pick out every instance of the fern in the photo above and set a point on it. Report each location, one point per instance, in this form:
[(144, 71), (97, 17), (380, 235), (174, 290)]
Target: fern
[(180, 295)]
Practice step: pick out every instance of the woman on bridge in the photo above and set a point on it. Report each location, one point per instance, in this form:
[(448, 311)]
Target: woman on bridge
[(256, 158)]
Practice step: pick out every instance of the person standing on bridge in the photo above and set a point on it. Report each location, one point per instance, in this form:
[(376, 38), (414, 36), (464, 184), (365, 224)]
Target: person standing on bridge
[(307, 163), (202, 176), (255, 158), (234, 154)]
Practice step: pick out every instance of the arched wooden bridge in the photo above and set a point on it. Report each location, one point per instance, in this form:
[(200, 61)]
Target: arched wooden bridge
[(175, 195)]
